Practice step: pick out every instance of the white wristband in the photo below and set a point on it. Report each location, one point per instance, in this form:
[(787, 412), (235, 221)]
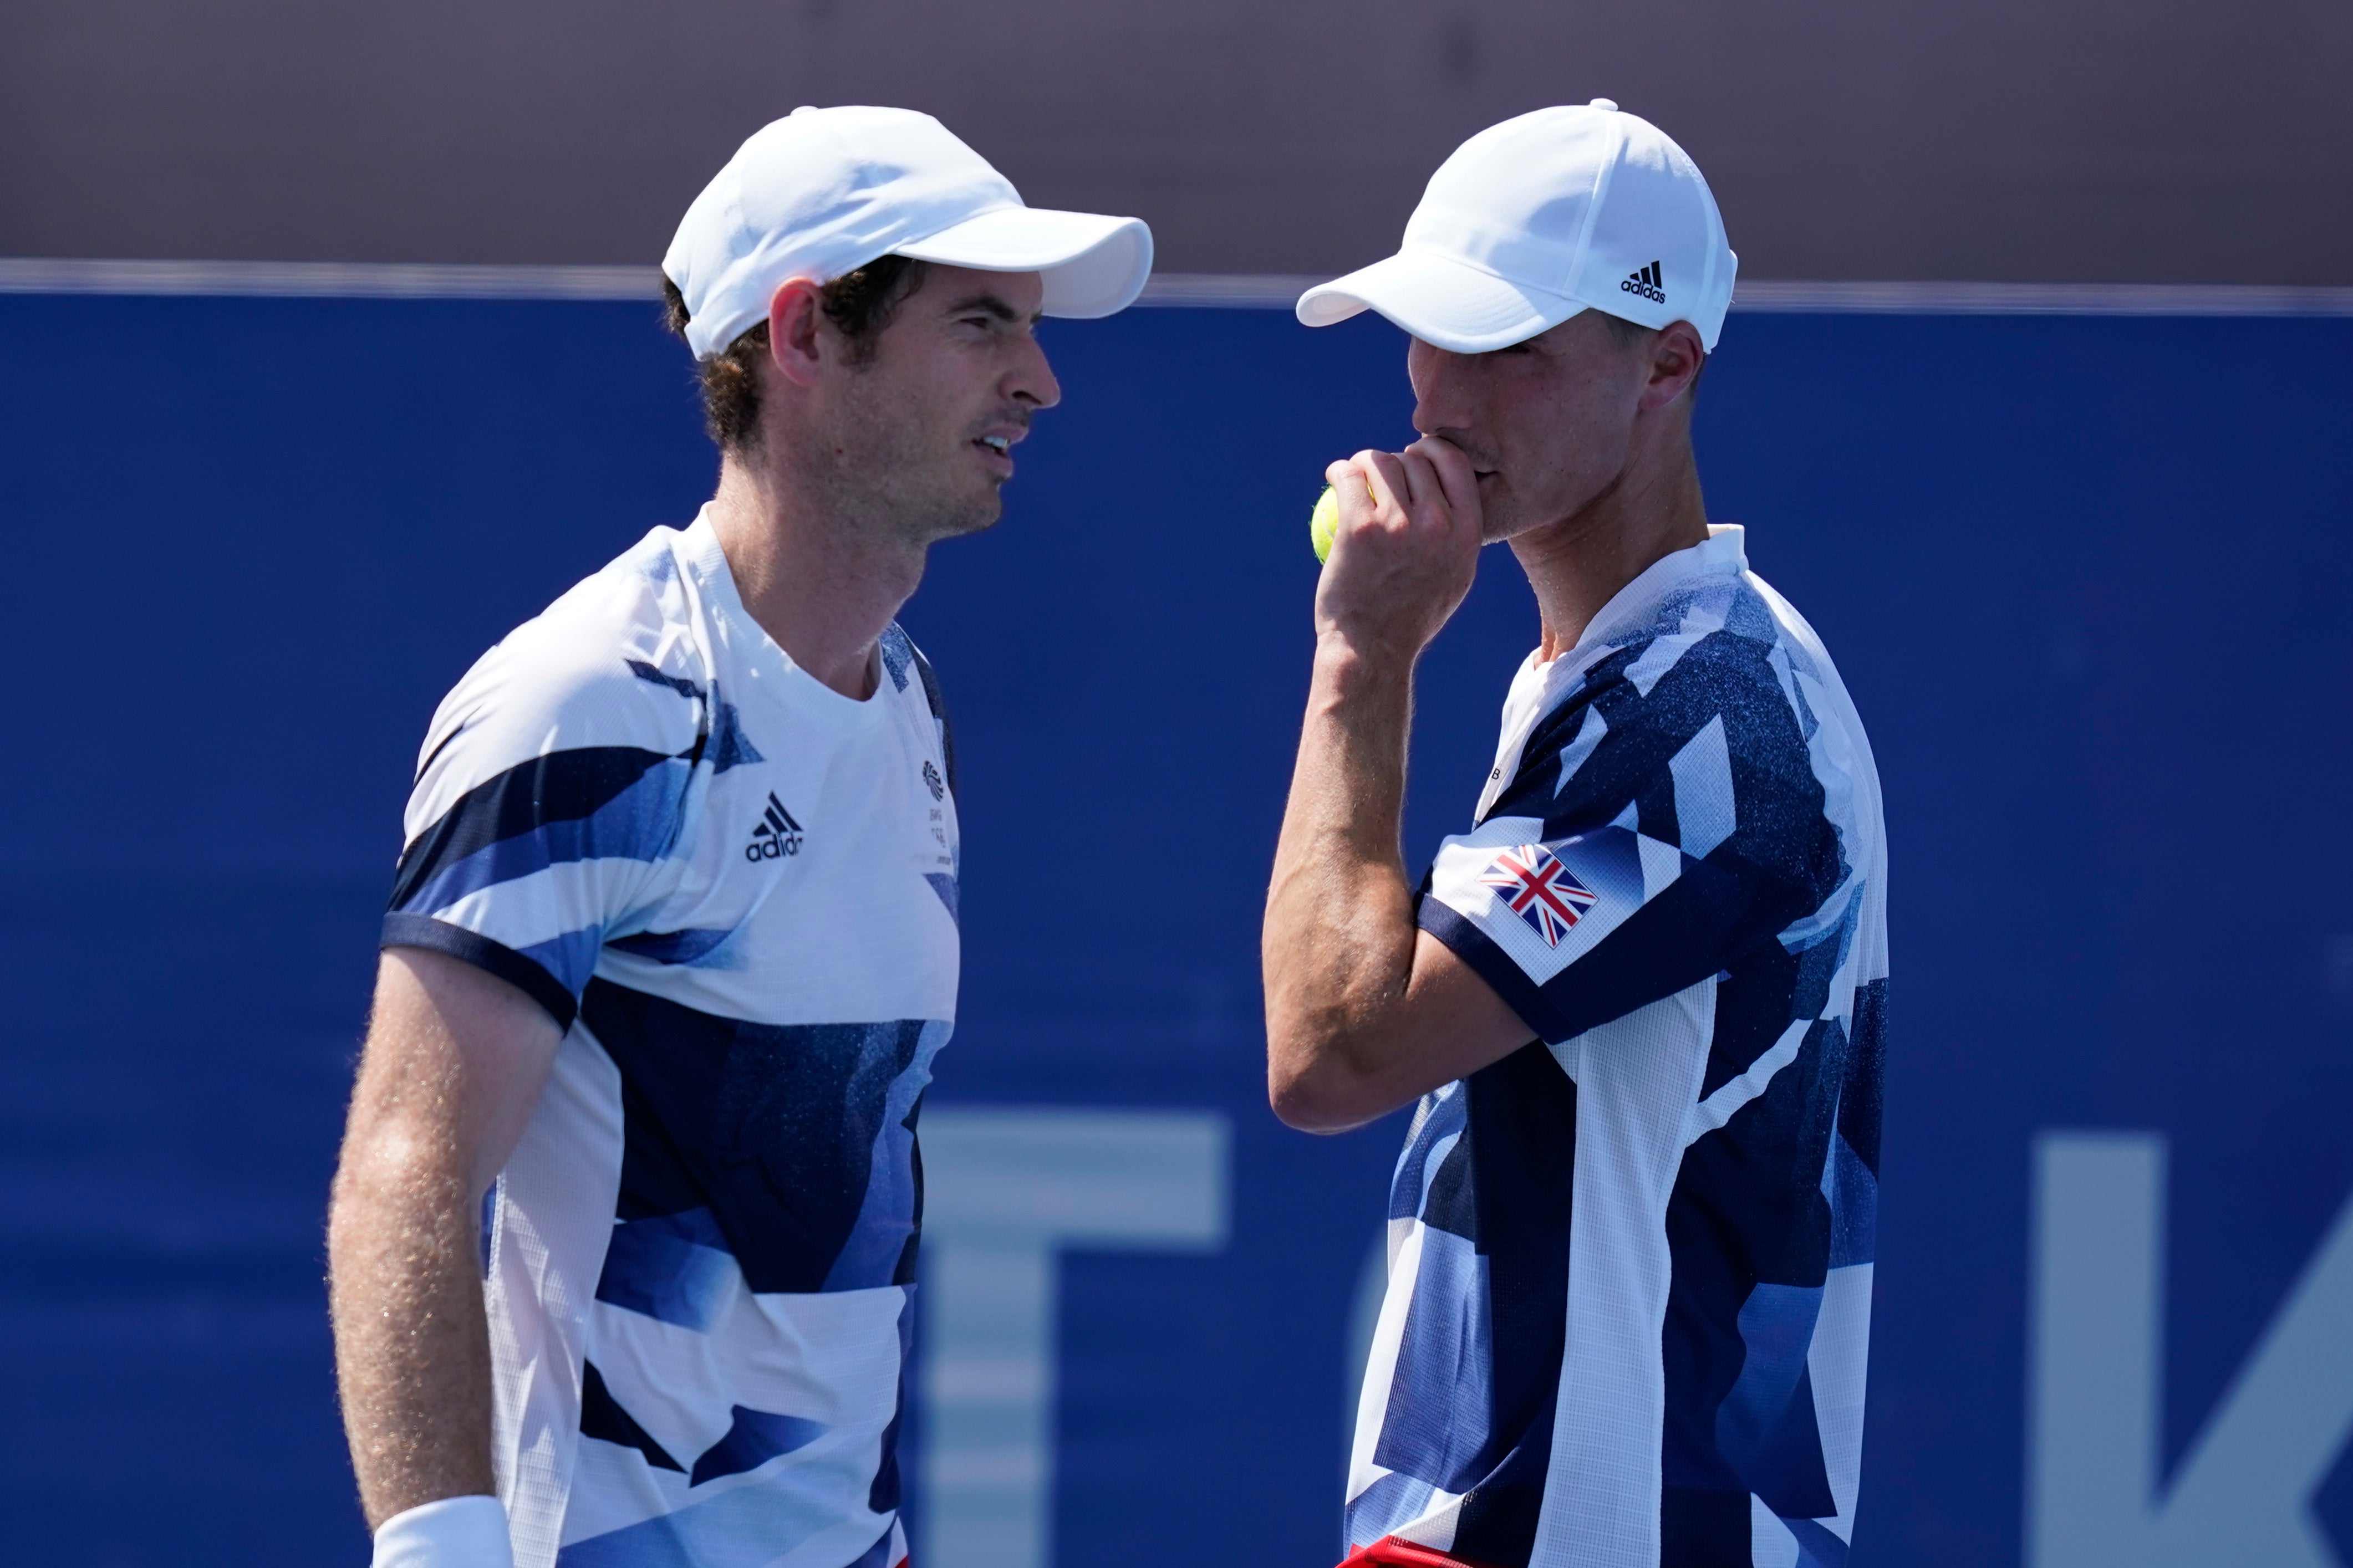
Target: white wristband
[(456, 1532)]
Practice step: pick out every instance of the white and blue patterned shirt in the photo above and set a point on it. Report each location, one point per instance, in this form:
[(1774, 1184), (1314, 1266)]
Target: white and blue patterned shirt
[(735, 888), (1630, 1278)]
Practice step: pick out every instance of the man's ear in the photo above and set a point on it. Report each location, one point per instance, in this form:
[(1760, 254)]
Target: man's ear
[(1676, 356), (796, 330)]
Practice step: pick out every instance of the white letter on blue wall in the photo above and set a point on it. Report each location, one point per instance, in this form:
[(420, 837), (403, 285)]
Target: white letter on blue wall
[(2096, 1392), (1005, 1191)]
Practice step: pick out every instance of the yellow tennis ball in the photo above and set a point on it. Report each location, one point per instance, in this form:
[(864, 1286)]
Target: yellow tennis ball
[(1323, 521)]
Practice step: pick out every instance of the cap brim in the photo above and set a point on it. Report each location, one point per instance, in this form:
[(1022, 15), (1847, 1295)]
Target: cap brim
[(1440, 301), (1093, 265)]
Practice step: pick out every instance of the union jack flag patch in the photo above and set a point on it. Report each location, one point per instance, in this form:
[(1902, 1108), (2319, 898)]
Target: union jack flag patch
[(1540, 890)]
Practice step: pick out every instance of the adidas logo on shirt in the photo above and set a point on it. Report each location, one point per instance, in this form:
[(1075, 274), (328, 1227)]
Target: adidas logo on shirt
[(1645, 281), (776, 836)]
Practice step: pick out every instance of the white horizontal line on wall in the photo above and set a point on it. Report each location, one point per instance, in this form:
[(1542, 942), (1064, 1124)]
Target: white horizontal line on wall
[(2040, 299), (1280, 290), (433, 280), (327, 280)]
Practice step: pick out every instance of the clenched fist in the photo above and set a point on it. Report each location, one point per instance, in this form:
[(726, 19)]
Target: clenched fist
[(1406, 549)]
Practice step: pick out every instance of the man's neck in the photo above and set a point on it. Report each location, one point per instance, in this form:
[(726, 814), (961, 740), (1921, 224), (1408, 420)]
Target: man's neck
[(1579, 564), (820, 586)]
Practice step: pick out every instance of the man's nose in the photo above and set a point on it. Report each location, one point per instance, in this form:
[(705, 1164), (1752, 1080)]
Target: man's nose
[(1429, 370), (1032, 381)]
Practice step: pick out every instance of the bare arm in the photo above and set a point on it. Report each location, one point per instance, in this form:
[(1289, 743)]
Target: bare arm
[(1364, 1012), (455, 1061)]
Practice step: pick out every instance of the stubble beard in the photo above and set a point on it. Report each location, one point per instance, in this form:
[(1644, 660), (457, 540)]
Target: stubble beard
[(890, 477), (1579, 482)]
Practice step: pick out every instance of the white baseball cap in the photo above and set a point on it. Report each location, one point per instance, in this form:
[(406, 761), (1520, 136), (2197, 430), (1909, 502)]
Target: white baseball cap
[(1534, 220), (823, 192)]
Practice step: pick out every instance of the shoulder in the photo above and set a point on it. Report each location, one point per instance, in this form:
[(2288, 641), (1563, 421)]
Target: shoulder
[(1696, 721), (908, 670), (615, 661), (1713, 655), (912, 675)]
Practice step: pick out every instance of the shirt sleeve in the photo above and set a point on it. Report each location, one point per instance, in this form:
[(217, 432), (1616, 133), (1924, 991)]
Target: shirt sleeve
[(1659, 828), (544, 815)]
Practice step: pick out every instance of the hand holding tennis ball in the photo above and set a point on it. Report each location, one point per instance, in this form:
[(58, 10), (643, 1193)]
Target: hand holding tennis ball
[(1413, 521), (1324, 522)]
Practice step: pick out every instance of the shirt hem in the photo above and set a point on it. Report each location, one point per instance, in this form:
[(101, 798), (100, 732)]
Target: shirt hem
[(1492, 965), (492, 958)]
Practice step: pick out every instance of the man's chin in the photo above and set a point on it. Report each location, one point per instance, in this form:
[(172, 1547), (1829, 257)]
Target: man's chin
[(978, 516), (1498, 528), (1498, 519)]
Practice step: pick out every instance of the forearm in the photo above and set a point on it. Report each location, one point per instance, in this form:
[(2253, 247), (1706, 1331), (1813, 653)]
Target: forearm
[(412, 1346), (1339, 936)]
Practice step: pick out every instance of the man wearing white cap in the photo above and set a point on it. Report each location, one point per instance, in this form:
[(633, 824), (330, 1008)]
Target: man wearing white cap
[(1639, 1002), (624, 1236)]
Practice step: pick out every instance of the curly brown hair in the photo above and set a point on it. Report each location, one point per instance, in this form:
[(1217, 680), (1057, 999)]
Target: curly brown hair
[(860, 304)]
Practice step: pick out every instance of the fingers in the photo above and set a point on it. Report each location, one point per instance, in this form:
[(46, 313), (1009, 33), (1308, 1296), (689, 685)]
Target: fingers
[(1430, 495), (1358, 471), (1430, 480), (1383, 481), (1389, 483), (1355, 497), (1401, 557), (1451, 474), (1429, 489)]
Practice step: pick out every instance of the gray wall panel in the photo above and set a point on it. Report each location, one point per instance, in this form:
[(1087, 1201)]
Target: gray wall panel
[(2082, 139)]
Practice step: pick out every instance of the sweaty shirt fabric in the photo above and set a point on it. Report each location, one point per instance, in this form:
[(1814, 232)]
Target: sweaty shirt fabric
[(735, 891), (1629, 1298)]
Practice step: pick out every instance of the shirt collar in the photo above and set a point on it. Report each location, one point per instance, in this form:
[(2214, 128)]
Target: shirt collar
[(1722, 553)]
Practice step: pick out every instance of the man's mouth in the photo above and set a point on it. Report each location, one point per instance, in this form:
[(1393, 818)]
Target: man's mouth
[(998, 435)]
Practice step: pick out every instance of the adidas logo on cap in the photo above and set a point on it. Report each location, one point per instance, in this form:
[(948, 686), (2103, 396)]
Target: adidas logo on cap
[(1645, 281)]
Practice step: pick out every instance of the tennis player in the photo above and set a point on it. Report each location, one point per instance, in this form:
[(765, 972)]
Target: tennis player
[(1639, 1001), (625, 1227)]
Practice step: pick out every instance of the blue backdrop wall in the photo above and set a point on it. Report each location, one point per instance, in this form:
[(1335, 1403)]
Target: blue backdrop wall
[(2085, 578)]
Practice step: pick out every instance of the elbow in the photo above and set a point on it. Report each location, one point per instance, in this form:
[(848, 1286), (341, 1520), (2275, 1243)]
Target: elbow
[(1308, 1113), (1318, 1091), (1297, 1105), (390, 1176)]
